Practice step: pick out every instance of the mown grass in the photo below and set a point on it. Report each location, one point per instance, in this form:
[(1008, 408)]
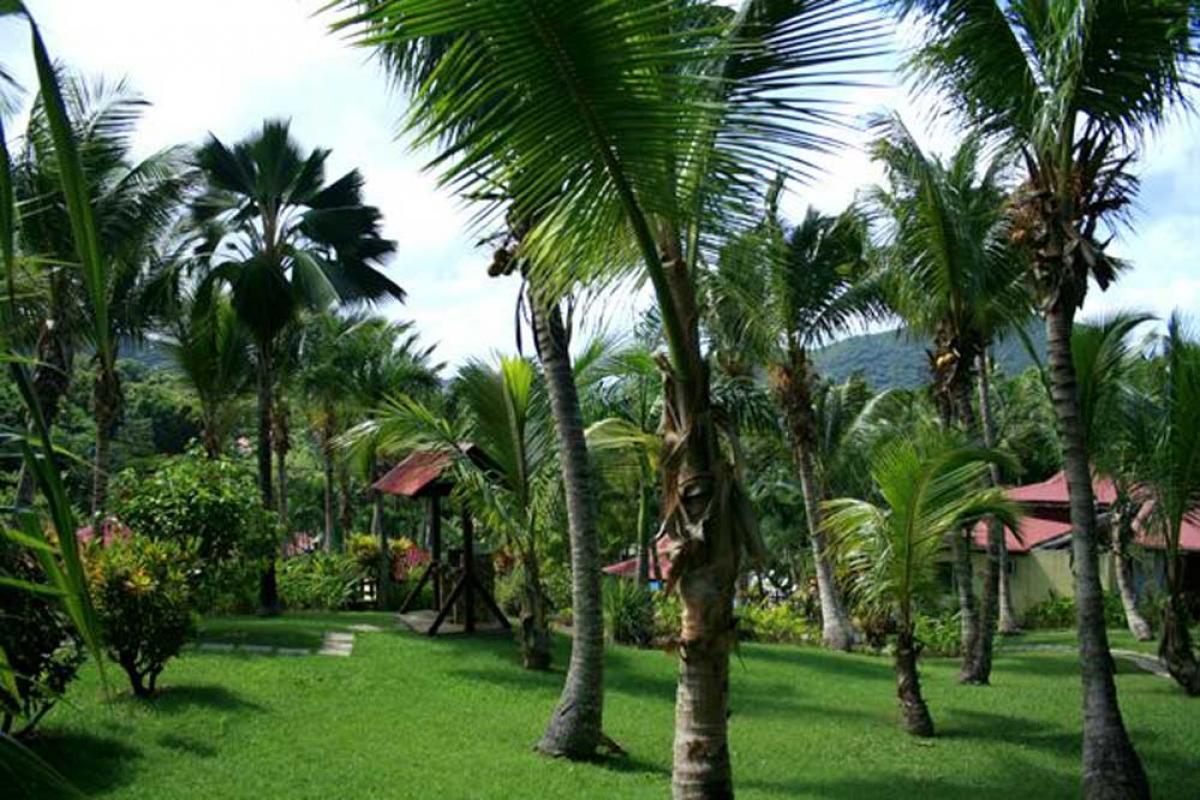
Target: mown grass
[(407, 717), (1118, 639)]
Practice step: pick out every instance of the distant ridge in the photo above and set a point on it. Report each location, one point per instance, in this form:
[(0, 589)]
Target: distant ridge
[(896, 360)]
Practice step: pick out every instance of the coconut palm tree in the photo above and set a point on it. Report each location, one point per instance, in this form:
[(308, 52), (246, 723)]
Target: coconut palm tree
[(930, 486), (134, 205), (639, 130), (780, 294), (1170, 482), (1075, 87), (283, 240), (212, 349), (951, 276)]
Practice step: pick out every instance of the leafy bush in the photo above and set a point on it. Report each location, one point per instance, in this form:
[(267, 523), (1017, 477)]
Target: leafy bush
[(320, 580), (143, 597), (668, 617), (940, 635), (43, 649), (407, 559), (212, 506), (628, 612), (364, 549), (778, 622), (1059, 612)]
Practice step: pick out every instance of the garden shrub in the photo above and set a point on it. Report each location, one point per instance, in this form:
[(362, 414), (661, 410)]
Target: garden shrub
[(43, 648), (364, 549), (321, 581), (940, 635), (776, 622), (1059, 612), (144, 602), (508, 589), (628, 612), (668, 617), (211, 505)]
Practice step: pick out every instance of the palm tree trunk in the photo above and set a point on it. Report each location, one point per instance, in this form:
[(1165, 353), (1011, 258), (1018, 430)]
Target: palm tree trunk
[(1121, 535), (1111, 767), (576, 728), (990, 601), (790, 384), (908, 685), (1007, 622), (1175, 650), (968, 611), (345, 505), (643, 532), (535, 629), (281, 441), (697, 484), (106, 404), (327, 465), (268, 594)]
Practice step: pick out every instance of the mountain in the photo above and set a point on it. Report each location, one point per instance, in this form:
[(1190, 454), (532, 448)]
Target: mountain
[(896, 359)]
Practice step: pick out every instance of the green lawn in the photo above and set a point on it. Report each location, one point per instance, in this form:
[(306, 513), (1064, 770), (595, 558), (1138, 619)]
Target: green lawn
[(1118, 639), (407, 717)]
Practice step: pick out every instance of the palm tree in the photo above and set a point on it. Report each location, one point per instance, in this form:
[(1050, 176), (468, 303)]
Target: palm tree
[(783, 293), (930, 487), (134, 204), (636, 128), (1115, 421), (283, 240), (952, 277), (212, 349), (1075, 86), (1170, 472)]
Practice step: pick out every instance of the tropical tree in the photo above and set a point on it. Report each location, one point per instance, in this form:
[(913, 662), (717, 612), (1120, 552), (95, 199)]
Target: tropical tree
[(638, 131), (134, 205), (212, 349), (1170, 481), (951, 275), (1075, 87), (283, 240), (780, 294), (929, 486)]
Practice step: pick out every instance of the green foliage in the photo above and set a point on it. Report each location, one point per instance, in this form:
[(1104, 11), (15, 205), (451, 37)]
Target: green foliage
[(42, 647), (939, 635), (1060, 612), (777, 622), (628, 612), (143, 594), (210, 505), (321, 580), (363, 548), (668, 616)]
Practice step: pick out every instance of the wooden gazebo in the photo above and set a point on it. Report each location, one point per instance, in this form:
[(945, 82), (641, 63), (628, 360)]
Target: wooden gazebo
[(423, 474)]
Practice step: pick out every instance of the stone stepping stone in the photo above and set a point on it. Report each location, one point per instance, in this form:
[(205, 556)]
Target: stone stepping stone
[(293, 651), (215, 647), (260, 649), (337, 644), (366, 628)]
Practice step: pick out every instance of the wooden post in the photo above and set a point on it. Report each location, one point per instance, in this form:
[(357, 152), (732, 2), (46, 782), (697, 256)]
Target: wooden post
[(468, 570), (435, 547)]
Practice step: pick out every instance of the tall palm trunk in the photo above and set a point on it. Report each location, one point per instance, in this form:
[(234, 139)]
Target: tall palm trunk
[(981, 666), (535, 629), (645, 544), (326, 433), (1175, 649), (281, 441), (1007, 622), (268, 594), (384, 591), (1122, 534), (106, 402), (697, 489), (1111, 767), (968, 610), (908, 684), (576, 728), (790, 384), (345, 505)]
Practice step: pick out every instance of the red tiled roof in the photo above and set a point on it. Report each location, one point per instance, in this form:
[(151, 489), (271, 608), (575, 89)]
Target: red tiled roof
[(1054, 490), (629, 567), (413, 474), (1034, 531)]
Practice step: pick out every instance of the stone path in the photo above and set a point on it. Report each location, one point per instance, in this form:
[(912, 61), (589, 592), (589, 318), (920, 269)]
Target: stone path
[(339, 644), (1142, 661)]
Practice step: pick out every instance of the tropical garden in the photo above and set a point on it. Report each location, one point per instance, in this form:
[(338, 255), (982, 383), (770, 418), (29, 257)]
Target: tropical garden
[(726, 559)]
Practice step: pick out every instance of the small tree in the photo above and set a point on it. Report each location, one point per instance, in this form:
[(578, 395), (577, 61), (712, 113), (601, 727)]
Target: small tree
[(930, 487)]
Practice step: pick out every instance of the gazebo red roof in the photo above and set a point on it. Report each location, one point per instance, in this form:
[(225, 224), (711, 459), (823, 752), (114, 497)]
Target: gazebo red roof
[(415, 474)]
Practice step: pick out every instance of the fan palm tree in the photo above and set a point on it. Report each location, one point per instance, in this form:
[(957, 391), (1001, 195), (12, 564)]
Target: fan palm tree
[(212, 349), (134, 205), (929, 487), (952, 277), (283, 240), (1075, 86), (632, 125), (779, 294)]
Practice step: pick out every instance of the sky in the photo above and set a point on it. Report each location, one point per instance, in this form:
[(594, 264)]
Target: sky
[(223, 66)]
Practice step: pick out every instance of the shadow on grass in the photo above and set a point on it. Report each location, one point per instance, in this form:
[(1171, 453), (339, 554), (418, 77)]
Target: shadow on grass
[(1006, 729), (92, 764), (843, 665), (859, 787), (176, 699), (183, 744)]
